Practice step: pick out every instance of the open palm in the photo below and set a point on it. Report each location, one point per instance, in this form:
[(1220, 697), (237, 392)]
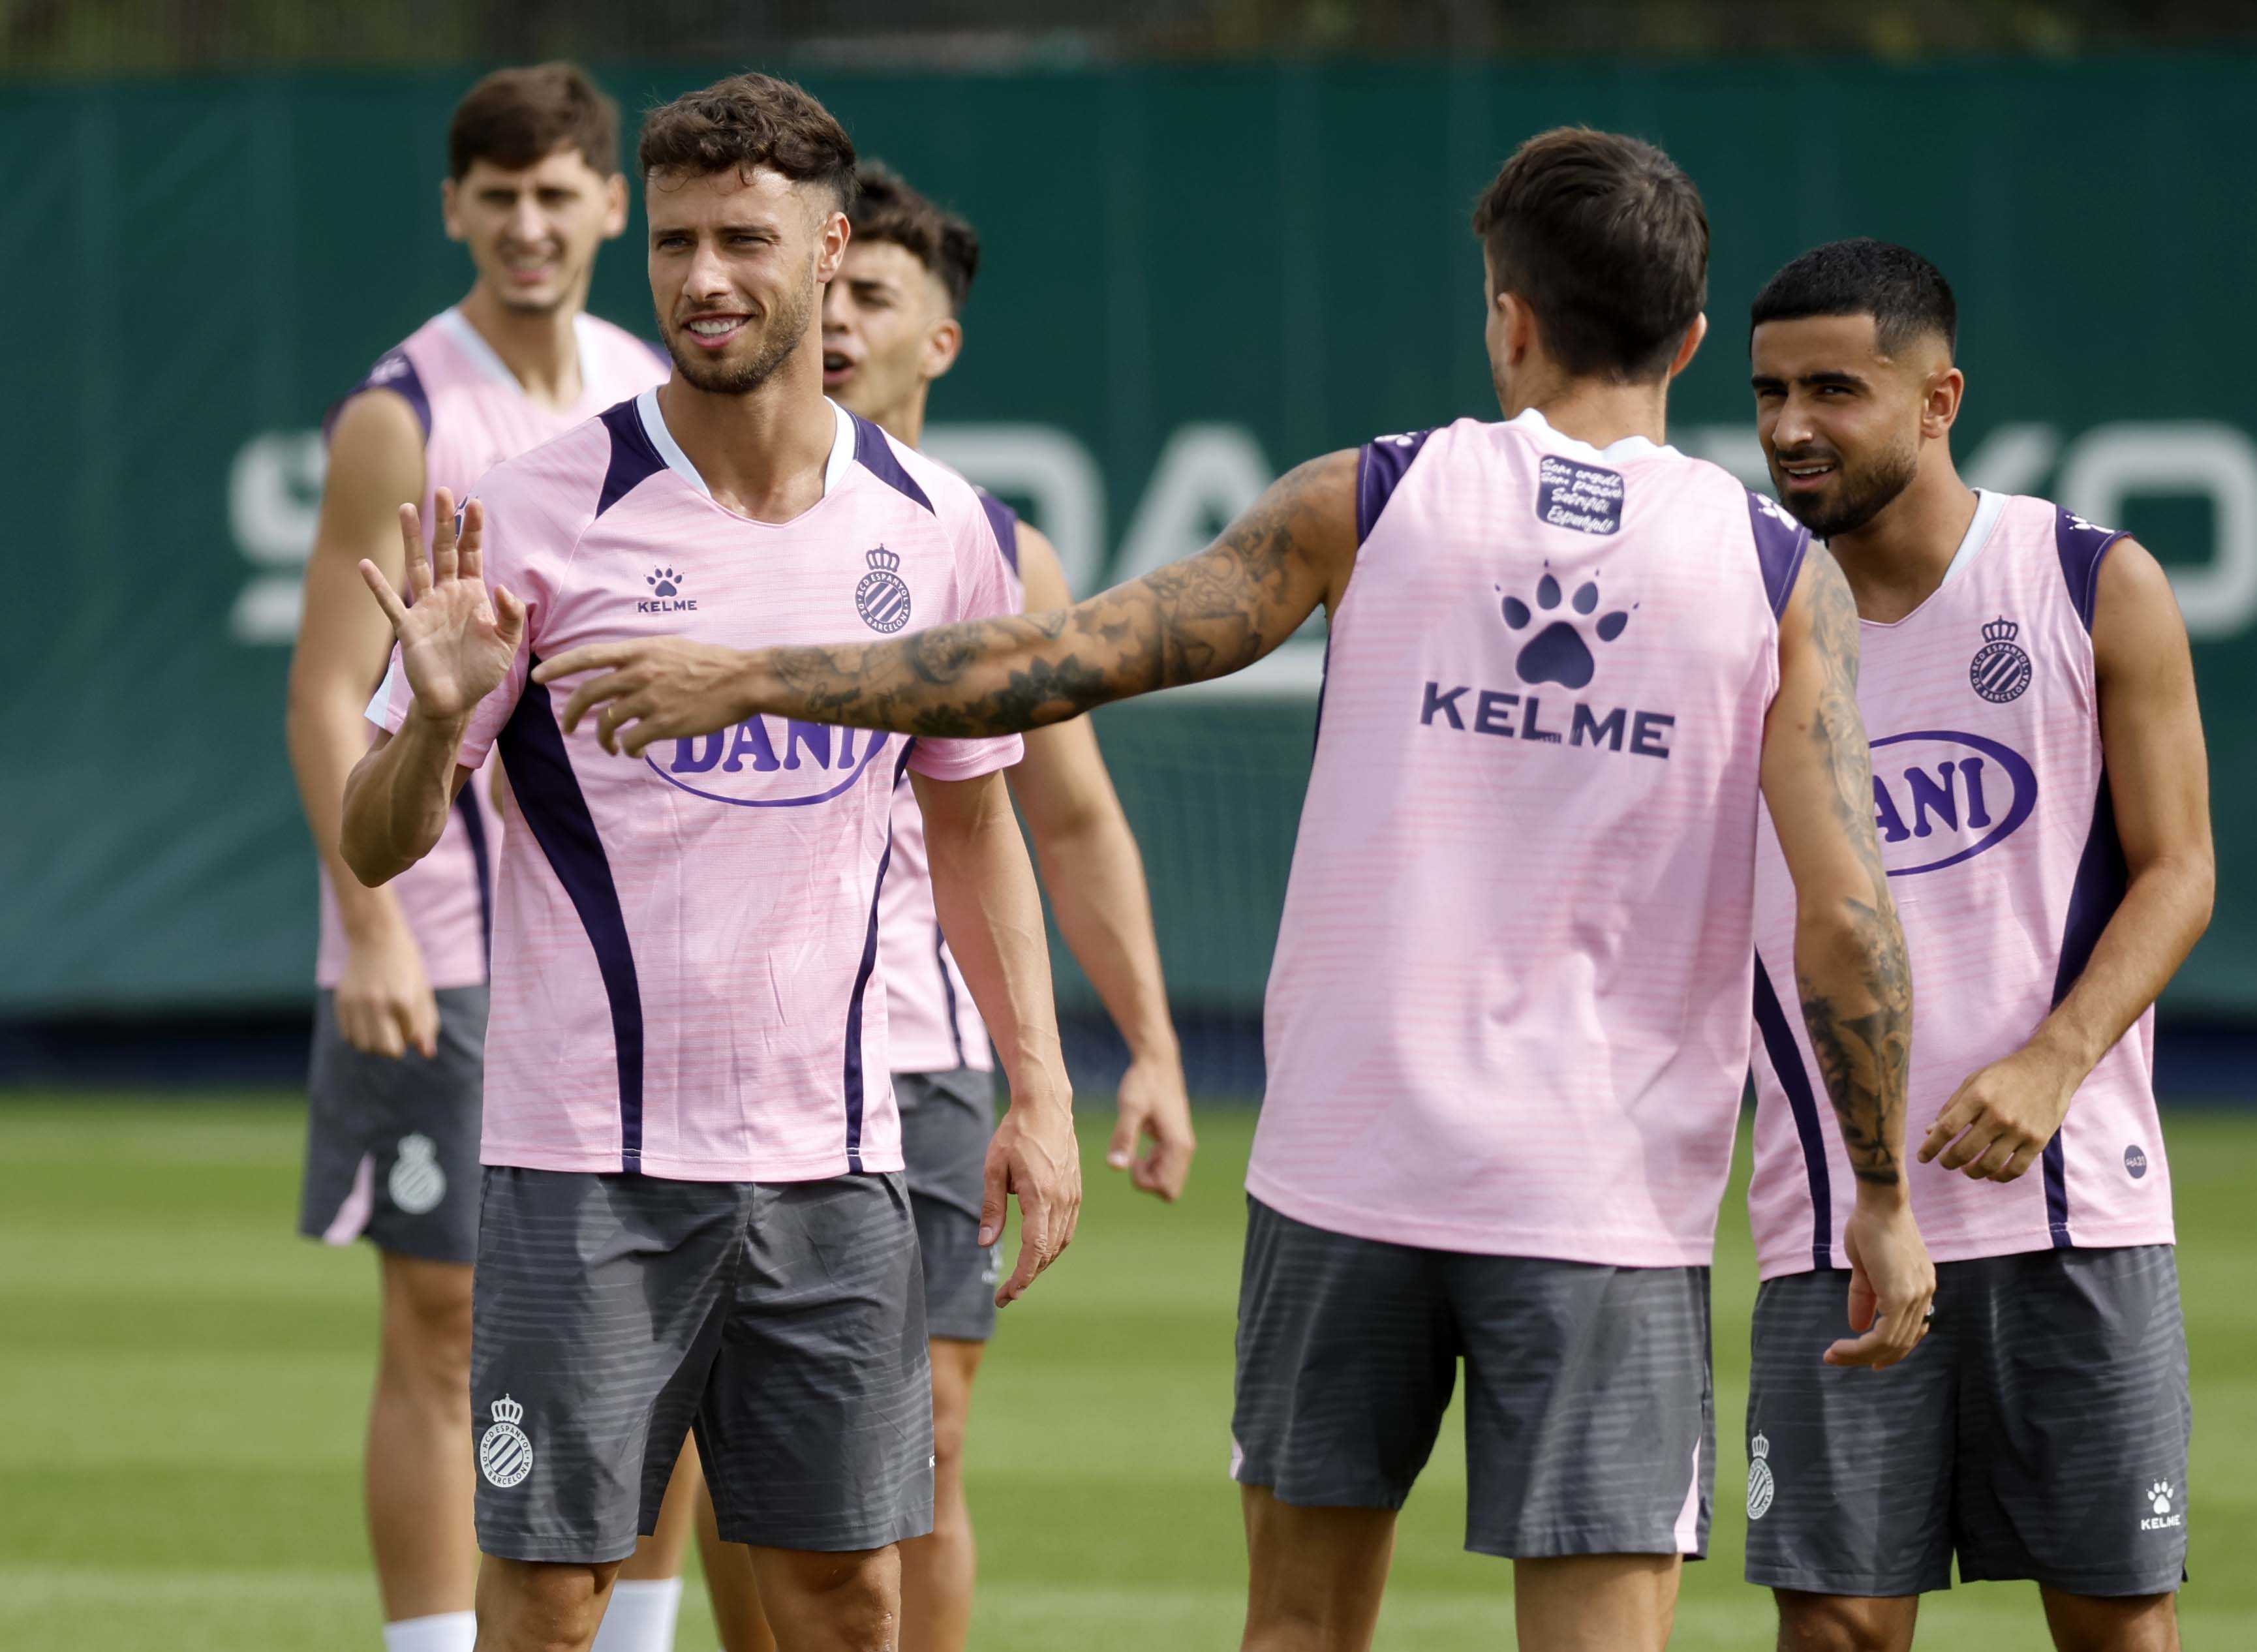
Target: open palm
[(456, 639)]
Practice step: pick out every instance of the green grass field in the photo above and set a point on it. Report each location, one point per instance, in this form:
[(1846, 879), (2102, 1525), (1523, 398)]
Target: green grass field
[(183, 1383)]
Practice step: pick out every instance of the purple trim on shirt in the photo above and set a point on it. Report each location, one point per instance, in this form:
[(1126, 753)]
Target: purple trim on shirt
[(634, 460), (555, 811), (474, 831), (947, 990), (1781, 543), (861, 986), (875, 454), (2081, 548), (1794, 1079), (2102, 877), (394, 372), (1005, 521), (1380, 465)]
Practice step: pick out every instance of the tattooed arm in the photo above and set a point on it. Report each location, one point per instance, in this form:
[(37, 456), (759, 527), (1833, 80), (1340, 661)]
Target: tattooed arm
[(1205, 617), (1849, 958)]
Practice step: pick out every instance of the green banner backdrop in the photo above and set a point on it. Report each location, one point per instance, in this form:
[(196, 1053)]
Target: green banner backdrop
[(1195, 278)]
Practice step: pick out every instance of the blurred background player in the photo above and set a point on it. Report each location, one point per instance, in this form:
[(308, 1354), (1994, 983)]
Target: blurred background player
[(693, 1207), (1507, 1022), (2043, 803), (533, 190), (891, 325)]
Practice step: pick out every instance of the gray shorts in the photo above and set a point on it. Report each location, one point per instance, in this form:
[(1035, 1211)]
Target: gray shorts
[(2040, 1432), (947, 1120), (784, 1320), (1591, 1418), (392, 1144)]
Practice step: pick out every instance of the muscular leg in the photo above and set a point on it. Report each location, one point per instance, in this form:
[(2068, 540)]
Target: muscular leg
[(847, 1602), (1845, 1623), (730, 1585), (1595, 1603), (527, 1606), (2111, 1623), (419, 1471), (937, 1572), (1314, 1574)]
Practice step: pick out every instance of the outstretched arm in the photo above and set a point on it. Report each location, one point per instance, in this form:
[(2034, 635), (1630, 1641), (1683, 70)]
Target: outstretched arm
[(1999, 1121), (1095, 879), (983, 890), (1850, 962), (1205, 617)]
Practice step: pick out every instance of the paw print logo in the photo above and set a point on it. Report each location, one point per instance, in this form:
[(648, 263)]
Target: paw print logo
[(1559, 653), (663, 582), (2159, 1497)]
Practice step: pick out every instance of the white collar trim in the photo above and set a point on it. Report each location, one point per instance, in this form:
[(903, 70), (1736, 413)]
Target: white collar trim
[(834, 469), (1989, 507), (1533, 421)]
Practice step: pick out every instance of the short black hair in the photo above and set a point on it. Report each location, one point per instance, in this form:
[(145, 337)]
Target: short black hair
[(1605, 238), (517, 118), (1905, 295), (887, 208)]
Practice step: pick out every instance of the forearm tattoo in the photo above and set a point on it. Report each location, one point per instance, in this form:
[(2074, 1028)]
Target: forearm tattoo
[(1861, 1028)]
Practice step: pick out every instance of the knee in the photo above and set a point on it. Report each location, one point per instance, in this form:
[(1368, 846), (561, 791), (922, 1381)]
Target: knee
[(2141, 1623), (856, 1599), (535, 1606), (1845, 1623)]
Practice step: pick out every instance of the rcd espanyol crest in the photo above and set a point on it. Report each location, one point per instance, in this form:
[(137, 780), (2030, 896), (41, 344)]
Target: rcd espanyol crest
[(416, 1182), (505, 1455), (2000, 670), (1761, 1487), (882, 598)]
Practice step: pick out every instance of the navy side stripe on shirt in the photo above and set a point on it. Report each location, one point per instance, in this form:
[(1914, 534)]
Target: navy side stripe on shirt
[(555, 811), (2081, 547), (634, 460), (474, 829), (867, 968), (1380, 466), (1781, 543), (1005, 521), (394, 372), (1794, 1078), (2102, 877), (875, 454)]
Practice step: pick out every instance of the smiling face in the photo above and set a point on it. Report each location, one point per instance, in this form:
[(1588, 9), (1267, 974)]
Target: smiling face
[(888, 331), (737, 260), (1842, 423), (534, 233)]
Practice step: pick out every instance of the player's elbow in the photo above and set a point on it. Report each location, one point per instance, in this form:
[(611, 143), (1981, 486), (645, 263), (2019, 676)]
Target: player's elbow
[(1842, 936), (361, 839)]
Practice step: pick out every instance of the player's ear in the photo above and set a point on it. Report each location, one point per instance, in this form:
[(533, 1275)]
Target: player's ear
[(615, 206), (1946, 391), (942, 346), (830, 238), (1518, 324), (1690, 344), (449, 198)]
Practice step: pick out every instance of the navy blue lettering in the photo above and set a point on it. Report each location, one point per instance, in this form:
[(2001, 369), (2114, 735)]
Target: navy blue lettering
[(751, 736), (1494, 713), (699, 753), (815, 737), (1885, 814), (1529, 730), (1586, 729), (1646, 730), (1447, 704), (1971, 777), (1930, 796)]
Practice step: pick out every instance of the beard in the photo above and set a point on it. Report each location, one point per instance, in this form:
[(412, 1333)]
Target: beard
[(786, 331), (1857, 495)]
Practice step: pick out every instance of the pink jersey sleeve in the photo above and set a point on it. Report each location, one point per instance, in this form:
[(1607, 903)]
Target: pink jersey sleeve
[(985, 589)]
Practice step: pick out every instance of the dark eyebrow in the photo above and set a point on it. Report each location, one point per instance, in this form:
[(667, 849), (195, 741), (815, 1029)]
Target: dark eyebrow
[(1847, 381)]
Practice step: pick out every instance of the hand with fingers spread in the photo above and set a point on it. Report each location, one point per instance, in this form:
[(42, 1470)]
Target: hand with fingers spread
[(653, 688), (1156, 1106), (1891, 1283), (456, 639), (1997, 1123), (1034, 1157)]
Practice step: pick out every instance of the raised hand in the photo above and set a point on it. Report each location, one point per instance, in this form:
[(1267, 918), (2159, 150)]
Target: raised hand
[(455, 640)]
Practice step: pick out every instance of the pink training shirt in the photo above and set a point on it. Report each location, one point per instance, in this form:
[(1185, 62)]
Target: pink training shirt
[(474, 415), (1509, 1010), (934, 1024), (684, 942), (2000, 841)]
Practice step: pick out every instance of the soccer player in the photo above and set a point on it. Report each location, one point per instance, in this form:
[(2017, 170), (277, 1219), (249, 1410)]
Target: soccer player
[(891, 326), (693, 1205), (1507, 1023), (2042, 799), (533, 190)]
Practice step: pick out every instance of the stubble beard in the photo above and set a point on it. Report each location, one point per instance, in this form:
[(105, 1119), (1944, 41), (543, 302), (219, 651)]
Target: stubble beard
[(786, 331), (1859, 497)]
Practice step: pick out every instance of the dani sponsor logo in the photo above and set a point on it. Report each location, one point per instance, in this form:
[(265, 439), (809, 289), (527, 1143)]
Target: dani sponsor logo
[(769, 763), (1941, 798)]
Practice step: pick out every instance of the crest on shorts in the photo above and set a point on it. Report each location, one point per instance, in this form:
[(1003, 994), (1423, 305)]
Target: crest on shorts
[(1761, 1487), (505, 1455), (416, 1182), (2000, 670), (882, 598)]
